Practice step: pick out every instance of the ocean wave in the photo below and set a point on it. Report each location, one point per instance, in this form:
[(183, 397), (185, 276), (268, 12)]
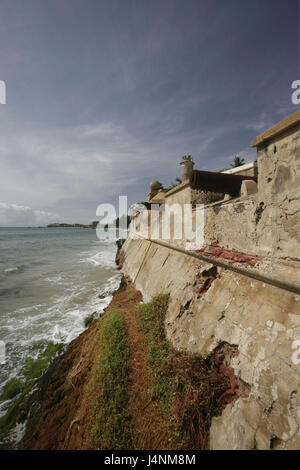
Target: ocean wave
[(63, 320), (104, 259), (56, 279)]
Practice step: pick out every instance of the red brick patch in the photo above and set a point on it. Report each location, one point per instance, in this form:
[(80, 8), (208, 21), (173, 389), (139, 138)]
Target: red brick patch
[(230, 255), (203, 285)]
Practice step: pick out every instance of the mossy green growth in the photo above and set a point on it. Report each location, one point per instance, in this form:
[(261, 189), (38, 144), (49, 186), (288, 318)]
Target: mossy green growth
[(109, 385), (89, 319), (12, 388), (22, 389), (34, 368)]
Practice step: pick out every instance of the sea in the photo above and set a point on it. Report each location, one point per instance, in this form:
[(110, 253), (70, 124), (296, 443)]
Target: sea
[(51, 279)]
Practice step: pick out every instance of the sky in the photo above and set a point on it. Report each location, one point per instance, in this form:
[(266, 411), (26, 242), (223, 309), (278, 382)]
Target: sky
[(103, 96)]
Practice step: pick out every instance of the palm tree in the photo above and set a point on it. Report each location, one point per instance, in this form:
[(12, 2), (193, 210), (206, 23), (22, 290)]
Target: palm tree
[(237, 162)]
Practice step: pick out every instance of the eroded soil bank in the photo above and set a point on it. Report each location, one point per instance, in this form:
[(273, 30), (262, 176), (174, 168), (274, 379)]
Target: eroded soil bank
[(170, 396), (64, 416)]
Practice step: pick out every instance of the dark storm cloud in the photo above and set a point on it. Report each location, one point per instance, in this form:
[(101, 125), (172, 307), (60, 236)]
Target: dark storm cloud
[(103, 96)]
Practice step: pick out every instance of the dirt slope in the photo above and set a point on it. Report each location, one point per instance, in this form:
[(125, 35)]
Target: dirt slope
[(64, 416)]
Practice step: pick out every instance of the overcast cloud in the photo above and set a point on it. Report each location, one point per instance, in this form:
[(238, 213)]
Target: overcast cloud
[(105, 95)]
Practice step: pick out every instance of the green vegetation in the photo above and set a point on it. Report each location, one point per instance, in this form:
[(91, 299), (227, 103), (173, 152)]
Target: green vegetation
[(106, 294), (187, 385), (22, 387), (172, 185), (159, 349), (89, 319), (13, 388), (109, 382), (237, 162), (34, 368)]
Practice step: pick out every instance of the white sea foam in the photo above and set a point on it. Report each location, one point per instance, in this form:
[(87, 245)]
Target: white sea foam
[(49, 300), (58, 279), (13, 269)]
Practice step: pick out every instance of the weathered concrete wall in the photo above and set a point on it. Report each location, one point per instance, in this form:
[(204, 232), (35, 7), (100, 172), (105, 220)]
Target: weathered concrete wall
[(279, 194), (255, 224), (261, 320), (251, 224), (265, 223), (232, 224), (181, 194)]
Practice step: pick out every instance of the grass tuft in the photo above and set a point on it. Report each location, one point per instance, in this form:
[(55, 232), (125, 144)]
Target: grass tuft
[(109, 382), (187, 385)]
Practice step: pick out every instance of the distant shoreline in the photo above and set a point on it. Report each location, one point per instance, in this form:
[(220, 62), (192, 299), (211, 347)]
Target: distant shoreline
[(56, 225)]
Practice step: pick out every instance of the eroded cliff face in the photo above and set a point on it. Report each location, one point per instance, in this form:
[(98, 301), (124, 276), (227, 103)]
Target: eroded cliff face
[(62, 414), (259, 323), (121, 385)]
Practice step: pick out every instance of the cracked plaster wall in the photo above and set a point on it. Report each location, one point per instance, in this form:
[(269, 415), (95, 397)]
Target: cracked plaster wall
[(268, 222), (261, 320)]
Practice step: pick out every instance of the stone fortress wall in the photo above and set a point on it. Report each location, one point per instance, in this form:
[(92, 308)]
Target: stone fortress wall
[(263, 219), (240, 292)]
